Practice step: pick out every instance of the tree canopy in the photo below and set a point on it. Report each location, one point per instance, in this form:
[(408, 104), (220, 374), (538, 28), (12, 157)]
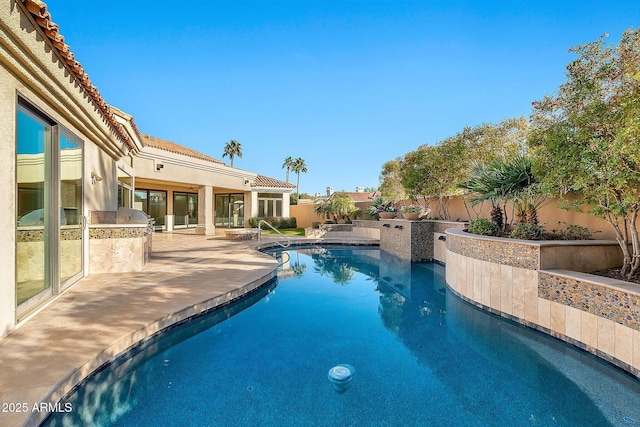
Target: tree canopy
[(586, 137), (435, 172)]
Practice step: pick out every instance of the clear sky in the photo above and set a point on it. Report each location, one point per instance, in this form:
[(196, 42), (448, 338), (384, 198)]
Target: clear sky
[(345, 85)]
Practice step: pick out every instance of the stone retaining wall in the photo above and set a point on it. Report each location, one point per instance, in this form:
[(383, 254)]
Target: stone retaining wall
[(536, 284)]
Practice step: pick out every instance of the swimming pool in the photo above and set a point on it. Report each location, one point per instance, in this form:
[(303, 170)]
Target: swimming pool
[(421, 357)]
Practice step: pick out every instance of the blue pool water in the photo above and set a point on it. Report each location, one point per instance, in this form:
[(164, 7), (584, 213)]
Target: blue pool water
[(421, 357)]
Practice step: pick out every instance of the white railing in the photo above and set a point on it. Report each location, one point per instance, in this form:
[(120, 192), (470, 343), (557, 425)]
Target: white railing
[(287, 242)]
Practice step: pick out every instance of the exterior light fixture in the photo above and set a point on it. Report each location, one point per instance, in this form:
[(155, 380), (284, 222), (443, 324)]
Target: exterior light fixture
[(95, 178)]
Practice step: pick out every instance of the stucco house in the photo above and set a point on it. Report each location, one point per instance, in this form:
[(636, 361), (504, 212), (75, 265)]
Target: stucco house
[(69, 160)]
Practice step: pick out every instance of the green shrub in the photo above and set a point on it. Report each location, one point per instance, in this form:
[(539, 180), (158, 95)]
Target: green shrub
[(572, 232), (483, 227), (276, 221), (528, 231)]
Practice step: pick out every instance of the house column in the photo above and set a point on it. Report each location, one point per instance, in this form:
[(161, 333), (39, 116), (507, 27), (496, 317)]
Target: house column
[(253, 207), (205, 211), (286, 208)]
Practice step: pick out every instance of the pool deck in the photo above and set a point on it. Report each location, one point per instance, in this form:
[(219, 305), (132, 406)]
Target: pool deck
[(105, 314)]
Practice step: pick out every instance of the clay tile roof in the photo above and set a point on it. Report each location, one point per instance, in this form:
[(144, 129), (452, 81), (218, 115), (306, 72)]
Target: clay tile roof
[(172, 147), (362, 196), (42, 17), (265, 181)]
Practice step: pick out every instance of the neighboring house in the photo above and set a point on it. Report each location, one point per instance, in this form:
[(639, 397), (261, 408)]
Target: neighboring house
[(363, 199), (68, 161)]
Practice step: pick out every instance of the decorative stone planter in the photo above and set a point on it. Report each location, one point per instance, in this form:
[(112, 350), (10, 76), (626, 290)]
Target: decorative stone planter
[(387, 215), (411, 216)]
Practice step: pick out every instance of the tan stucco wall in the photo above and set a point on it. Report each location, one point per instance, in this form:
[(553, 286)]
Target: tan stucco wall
[(178, 168), (8, 206), (305, 215)]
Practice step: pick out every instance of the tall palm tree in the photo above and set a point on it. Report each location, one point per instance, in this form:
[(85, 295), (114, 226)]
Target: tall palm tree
[(232, 149), (288, 163), (299, 166)]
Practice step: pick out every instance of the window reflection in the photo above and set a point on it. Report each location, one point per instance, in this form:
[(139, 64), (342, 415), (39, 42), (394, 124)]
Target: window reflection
[(71, 208), (32, 233)]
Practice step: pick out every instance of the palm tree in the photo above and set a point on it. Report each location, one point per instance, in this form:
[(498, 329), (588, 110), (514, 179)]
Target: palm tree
[(232, 149), (299, 166), (340, 206), (482, 182), (288, 163), (506, 180)]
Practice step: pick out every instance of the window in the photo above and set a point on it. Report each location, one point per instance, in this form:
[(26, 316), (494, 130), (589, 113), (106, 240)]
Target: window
[(269, 204), (153, 203), (125, 189)]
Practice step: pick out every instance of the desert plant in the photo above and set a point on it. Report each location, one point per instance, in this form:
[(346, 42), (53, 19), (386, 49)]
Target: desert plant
[(572, 232), (482, 182), (484, 227), (340, 206), (288, 164), (528, 231), (414, 208), (585, 137), (299, 166), (381, 204)]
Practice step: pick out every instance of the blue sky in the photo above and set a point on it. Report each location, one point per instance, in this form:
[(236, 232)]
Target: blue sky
[(345, 85)]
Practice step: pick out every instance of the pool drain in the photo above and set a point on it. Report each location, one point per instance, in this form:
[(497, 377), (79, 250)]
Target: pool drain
[(340, 376), (629, 420)]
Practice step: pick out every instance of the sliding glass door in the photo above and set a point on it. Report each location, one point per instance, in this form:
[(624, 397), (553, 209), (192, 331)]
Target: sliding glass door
[(185, 209), (153, 203), (229, 210), (49, 226)]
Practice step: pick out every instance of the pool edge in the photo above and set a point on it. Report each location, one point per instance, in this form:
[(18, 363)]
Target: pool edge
[(126, 343)]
